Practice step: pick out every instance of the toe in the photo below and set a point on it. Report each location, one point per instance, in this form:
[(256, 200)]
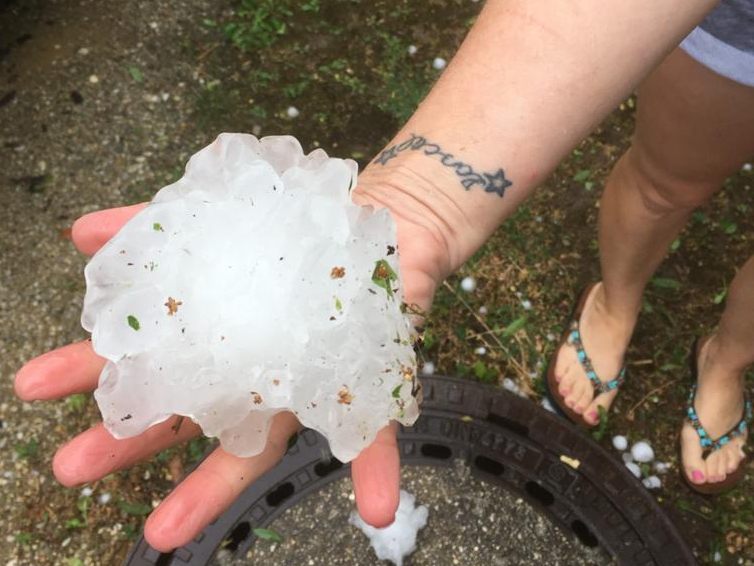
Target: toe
[(575, 395), (592, 411), (734, 456), (716, 466), (587, 392), (567, 382), (691, 454)]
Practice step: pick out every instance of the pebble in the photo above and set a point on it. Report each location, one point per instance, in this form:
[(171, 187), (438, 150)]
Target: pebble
[(468, 284), (412, 49), (292, 112), (642, 451), (634, 468), (620, 442), (428, 368), (480, 351), (652, 482), (439, 63)]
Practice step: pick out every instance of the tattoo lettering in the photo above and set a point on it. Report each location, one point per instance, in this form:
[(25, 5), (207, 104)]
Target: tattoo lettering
[(491, 182)]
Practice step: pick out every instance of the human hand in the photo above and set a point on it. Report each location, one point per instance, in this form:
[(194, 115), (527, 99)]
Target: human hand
[(221, 478)]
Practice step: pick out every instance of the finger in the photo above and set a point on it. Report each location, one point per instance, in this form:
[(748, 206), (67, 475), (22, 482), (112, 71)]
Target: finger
[(71, 369), (376, 479), (212, 488), (91, 231), (94, 453)]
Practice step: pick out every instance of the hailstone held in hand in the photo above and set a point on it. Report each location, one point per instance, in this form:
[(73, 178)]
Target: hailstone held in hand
[(250, 286)]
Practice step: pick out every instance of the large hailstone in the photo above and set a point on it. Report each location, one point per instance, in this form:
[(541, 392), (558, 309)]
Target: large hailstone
[(250, 286)]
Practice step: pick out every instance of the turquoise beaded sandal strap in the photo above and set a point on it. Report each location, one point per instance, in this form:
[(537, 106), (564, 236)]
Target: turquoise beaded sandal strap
[(708, 443), (574, 338)]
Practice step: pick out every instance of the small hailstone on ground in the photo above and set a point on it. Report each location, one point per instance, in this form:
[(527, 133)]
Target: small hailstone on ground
[(428, 368), (642, 451), (398, 540), (468, 284), (87, 492), (512, 386), (526, 303), (250, 286), (94, 79), (652, 482), (551, 337), (747, 167), (661, 467), (292, 112), (545, 402), (626, 456), (482, 310), (439, 63), (634, 468), (480, 351), (104, 498), (412, 49), (620, 442)]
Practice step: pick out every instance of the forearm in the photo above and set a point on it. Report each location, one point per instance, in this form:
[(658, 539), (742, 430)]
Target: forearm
[(528, 83)]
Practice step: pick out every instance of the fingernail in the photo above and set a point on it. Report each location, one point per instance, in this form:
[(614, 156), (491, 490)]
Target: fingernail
[(697, 476)]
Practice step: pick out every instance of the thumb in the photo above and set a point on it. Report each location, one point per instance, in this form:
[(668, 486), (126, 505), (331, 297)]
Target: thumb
[(376, 479)]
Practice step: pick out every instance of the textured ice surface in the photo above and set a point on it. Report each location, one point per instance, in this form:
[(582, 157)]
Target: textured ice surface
[(397, 540), (250, 286)]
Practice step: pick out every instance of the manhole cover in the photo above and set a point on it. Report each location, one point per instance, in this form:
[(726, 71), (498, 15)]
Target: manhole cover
[(506, 442)]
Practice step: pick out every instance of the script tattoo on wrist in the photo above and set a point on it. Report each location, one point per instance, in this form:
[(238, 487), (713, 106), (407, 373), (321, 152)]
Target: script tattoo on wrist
[(495, 183)]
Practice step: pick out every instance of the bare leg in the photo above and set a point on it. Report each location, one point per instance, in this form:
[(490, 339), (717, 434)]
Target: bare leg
[(694, 128), (722, 364)]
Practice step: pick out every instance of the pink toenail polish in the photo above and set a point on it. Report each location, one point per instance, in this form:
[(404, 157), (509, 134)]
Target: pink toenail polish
[(697, 476), (593, 416)]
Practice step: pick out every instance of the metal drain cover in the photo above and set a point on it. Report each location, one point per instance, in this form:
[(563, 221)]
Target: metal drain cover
[(507, 441)]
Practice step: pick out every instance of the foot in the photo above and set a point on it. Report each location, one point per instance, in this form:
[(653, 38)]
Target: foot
[(605, 338), (719, 405)]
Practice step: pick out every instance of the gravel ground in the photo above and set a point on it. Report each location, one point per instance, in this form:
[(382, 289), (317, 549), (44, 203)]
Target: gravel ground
[(469, 524), (78, 132)]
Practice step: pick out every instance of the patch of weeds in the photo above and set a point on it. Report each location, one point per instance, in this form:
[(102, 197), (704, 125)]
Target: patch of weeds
[(258, 23), (135, 509), (27, 450), (76, 402), (24, 538), (74, 561), (601, 430), (483, 373)]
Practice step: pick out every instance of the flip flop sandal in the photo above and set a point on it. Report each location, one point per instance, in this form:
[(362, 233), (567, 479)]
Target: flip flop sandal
[(572, 336), (710, 445)]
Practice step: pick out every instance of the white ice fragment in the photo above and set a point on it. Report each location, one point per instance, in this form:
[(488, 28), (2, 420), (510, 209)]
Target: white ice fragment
[(482, 310), (292, 112), (642, 451), (512, 386), (747, 167), (661, 467), (87, 492), (634, 468), (545, 402), (652, 482), (412, 49), (398, 540), (551, 337), (439, 63), (526, 303), (468, 284), (428, 368), (104, 498), (253, 285), (94, 79), (620, 442), (626, 456), (480, 351)]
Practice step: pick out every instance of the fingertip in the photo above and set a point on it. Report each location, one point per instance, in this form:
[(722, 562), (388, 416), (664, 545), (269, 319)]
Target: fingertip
[(91, 231), (379, 513), (64, 468), (160, 532)]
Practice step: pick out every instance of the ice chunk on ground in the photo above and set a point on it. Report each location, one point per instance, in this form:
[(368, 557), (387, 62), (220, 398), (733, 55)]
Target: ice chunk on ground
[(634, 468), (468, 284), (620, 442), (652, 482), (398, 540), (250, 286), (642, 451)]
